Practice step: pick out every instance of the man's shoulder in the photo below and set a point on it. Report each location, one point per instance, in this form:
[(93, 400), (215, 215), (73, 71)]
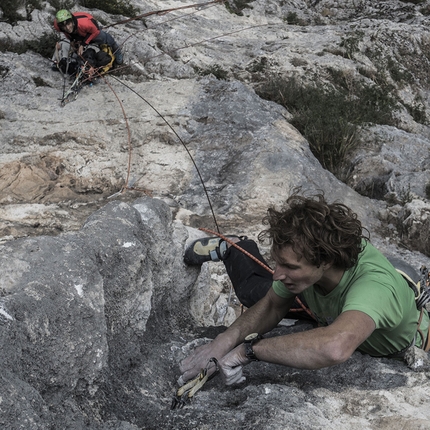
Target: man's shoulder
[(372, 261)]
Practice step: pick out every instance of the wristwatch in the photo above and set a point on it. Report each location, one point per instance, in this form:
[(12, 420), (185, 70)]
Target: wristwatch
[(249, 341)]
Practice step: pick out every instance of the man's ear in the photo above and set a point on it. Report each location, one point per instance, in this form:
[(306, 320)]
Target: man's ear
[(325, 265)]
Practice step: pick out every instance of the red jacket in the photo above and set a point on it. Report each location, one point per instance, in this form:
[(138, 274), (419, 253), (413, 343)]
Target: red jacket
[(86, 28)]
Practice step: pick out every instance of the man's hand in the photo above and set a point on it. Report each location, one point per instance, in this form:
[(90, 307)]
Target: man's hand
[(198, 359), (260, 318), (231, 365), (77, 47), (90, 72)]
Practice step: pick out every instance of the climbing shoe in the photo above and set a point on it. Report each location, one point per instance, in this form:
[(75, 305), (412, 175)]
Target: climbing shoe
[(207, 249)]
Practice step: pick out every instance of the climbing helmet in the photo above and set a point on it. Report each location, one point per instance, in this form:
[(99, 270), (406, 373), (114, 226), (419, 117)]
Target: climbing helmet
[(63, 15)]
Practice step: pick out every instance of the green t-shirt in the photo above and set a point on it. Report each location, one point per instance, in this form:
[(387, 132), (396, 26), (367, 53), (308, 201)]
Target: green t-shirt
[(374, 287)]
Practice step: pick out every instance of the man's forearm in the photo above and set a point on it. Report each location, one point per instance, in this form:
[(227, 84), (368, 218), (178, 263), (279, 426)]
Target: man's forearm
[(306, 350), (319, 347)]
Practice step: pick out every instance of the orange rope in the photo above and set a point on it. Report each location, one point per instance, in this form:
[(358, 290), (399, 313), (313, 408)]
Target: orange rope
[(96, 72), (128, 135)]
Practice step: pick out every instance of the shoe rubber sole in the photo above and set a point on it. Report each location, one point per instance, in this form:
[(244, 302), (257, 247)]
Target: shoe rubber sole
[(206, 249)]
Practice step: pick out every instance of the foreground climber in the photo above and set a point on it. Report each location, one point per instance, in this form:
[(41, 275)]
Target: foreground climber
[(82, 29), (358, 298)]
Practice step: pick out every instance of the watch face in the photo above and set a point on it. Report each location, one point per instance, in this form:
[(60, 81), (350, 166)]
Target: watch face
[(251, 336)]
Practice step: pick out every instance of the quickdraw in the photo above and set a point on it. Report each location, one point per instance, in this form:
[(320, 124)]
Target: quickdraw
[(185, 393), (72, 93), (86, 74)]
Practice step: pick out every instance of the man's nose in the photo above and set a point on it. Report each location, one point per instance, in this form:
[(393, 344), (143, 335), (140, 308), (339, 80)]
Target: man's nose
[(279, 273)]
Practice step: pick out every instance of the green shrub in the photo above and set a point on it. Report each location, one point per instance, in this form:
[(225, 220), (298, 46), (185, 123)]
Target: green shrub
[(292, 18), (37, 4), (405, 195), (115, 7), (374, 104), (425, 10), (413, 1), (10, 9), (417, 111), (330, 118), (237, 6), (258, 65), (62, 4), (428, 190), (351, 44), (44, 46), (397, 74), (215, 70)]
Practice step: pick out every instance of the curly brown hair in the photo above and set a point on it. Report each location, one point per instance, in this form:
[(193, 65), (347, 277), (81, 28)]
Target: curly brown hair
[(318, 231)]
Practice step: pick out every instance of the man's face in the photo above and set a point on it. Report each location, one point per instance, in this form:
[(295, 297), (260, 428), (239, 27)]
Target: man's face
[(294, 271), (67, 26)]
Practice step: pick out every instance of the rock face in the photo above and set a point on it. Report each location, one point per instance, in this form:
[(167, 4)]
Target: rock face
[(193, 72), (77, 312), (96, 305)]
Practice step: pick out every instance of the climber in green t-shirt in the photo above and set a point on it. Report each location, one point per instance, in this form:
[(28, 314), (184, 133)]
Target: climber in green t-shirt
[(374, 288), (323, 257)]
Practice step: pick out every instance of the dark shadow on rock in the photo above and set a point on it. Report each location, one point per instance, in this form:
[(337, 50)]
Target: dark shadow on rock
[(251, 404)]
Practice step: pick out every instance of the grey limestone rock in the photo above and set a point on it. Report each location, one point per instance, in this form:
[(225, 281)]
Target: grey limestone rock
[(96, 305)]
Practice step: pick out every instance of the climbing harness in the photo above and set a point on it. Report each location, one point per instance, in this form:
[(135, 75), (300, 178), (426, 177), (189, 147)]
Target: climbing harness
[(185, 393), (421, 288), (88, 73), (422, 297)]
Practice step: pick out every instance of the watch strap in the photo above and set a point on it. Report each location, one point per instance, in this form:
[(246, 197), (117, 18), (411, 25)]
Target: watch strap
[(249, 351)]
